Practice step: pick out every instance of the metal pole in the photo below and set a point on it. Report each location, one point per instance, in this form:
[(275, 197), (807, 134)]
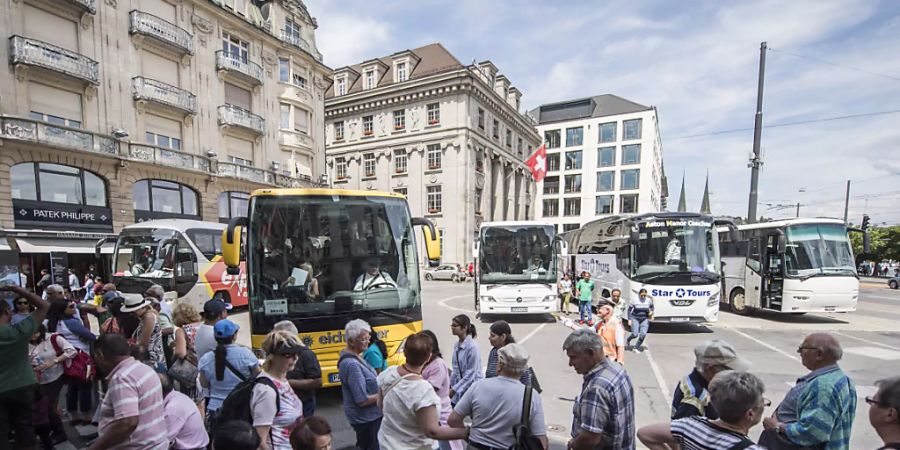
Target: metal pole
[(756, 161), (847, 203), (798, 210)]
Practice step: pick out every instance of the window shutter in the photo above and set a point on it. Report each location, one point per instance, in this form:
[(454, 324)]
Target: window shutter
[(239, 148), (163, 126), (237, 96), (159, 68), (51, 28), (53, 101)]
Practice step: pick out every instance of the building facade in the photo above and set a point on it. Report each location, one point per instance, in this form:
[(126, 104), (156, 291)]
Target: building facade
[(119, 111), (604, 156), (450, 137)]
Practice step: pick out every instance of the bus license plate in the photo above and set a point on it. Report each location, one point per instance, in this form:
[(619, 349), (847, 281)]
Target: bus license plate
[(334, 377), (679, 319), (519, 309)]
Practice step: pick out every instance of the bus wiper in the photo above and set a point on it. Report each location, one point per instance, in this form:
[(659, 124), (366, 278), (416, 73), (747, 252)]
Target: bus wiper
[(402, 317), (714, 277)]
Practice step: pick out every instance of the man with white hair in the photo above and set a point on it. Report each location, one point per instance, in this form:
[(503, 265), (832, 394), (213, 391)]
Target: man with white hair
[(495, 404), (884, 412), (691, 395), (604, 412), (819, 410)]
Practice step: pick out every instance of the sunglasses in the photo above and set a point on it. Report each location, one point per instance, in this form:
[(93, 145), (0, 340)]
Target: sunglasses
[(22, 303), (801, 348), (872, 401)]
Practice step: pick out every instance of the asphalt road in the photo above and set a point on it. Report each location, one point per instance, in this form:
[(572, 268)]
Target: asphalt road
[(869, 336)]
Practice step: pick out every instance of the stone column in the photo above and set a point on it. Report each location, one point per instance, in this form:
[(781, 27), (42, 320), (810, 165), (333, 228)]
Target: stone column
[(519, 199), (497, 189)]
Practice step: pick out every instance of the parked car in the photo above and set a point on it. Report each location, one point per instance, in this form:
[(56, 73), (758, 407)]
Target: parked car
[(445, 272), (894, 283)]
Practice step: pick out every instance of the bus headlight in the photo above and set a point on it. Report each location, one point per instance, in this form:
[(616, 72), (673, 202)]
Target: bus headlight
[(550, 298), (487, 298), (713, 300)]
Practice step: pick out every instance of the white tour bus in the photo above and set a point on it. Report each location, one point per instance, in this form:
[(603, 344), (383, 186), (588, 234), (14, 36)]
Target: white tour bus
[(674, 255), (516, 268), (791, 266), (183, 256)]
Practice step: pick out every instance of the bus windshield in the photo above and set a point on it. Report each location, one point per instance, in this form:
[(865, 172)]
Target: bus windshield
[(515, 254), (818, 249), (667, 248), (313, 256), (146, 253)]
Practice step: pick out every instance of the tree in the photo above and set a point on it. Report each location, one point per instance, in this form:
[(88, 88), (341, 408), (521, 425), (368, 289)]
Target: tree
[(884, 244)]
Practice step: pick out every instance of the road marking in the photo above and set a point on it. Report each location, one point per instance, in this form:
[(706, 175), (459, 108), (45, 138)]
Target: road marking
[(443, 303), (533, 332), (874, 352), (766, 345), (659, 377), (883, 297), (867, 341)]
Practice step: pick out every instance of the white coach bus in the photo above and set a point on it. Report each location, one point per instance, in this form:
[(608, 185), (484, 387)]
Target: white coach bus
[(516, 268), (790, 266), (674, 255)]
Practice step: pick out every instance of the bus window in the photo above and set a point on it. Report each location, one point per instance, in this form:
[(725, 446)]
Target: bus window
[(754, 258), (208, 241)]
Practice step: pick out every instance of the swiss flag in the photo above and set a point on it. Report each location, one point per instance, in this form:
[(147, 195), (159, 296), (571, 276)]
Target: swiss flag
[(538, 163)]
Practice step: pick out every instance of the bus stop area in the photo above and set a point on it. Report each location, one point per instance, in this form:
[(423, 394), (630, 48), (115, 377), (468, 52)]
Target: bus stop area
[(768, 340)]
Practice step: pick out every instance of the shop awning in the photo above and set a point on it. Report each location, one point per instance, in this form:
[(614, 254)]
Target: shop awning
[(47, 245)]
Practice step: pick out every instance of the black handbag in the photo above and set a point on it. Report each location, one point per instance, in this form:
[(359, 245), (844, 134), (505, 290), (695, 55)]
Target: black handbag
[(771, 440), (521, 431)]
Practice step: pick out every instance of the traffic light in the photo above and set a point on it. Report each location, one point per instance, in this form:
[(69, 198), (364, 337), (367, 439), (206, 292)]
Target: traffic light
[(865, 222)]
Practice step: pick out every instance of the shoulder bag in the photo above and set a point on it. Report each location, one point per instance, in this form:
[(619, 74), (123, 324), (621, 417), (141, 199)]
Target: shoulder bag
[(524, 440)]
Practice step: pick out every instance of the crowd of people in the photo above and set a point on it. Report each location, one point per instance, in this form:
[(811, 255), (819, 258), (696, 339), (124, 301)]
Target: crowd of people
[(153, 377)]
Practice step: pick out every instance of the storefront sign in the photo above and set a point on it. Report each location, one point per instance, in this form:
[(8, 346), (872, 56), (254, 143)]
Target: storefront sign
[(59, 267), (29, 213)]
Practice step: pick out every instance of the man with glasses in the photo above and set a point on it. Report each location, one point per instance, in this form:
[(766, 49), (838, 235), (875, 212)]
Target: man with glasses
[(884, 412), (819, 410), (17, 388)]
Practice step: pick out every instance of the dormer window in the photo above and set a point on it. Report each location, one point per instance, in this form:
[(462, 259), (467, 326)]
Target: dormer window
[(341, 86), (370, 79), (401, 72)]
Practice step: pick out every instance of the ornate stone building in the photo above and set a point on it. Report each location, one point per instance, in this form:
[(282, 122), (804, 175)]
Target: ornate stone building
[(451, 137), (116, 111)]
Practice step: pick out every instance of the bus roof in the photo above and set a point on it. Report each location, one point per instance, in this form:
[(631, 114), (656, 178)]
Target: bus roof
[(176, 224), (653, 215), (324, 191), (517, 223), (788, 222)]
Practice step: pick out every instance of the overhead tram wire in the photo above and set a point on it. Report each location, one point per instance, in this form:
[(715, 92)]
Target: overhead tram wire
[(788, 124), (842, 66)]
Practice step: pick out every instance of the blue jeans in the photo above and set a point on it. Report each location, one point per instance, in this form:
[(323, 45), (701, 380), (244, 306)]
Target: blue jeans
[(639, 329), (367, 434), (584, 310)]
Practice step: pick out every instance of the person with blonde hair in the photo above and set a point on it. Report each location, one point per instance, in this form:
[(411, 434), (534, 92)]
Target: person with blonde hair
[(273, 404), (187, 322)]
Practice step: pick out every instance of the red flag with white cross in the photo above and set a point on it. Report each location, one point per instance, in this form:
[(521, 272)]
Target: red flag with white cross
[(538, 163)]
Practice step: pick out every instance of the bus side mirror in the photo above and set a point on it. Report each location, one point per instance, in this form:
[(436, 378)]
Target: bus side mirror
[(231, 244), (633, 237), (780, 242), (562, 247), (475, 248), (432, 240)]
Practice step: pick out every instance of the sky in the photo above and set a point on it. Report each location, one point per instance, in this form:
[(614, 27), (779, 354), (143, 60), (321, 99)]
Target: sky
[(697, 62)]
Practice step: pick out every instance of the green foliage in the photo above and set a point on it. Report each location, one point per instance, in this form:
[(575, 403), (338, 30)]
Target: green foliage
[(884, 244)]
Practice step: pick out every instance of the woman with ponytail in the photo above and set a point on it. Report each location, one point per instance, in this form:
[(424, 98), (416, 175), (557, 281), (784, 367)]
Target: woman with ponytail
[(466, 357), (222, 369)]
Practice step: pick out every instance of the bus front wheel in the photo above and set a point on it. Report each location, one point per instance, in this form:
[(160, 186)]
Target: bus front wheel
[(739, 303)]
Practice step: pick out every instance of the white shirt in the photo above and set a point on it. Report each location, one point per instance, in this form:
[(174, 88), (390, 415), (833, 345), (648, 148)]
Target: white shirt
[(44, 352), (399, 427), (673, 251), (204, 340), (365, 280), (73, 282)]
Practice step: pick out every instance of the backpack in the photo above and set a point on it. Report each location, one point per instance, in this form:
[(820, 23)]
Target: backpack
[(80, 367), (237, 404)]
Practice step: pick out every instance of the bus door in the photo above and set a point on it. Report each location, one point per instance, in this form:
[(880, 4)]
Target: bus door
[(773, 283), (185, 265), (753, 279)]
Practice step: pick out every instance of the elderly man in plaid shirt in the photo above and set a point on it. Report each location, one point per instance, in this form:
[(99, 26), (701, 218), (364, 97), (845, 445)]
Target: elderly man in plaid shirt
[(604, 412)]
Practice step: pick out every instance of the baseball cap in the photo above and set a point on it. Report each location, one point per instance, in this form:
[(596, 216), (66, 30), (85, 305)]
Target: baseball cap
[(719, 353), (225, 328), (215, 306), (513, 356)]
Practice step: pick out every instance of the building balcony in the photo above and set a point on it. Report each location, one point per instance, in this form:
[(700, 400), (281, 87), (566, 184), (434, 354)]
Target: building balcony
[(86, 6), (168, 157), (230, 115), (43, 133), (149, 90), (295, 139), (262, 176), (35, 53), (164, 32), (245, 70), (300, 43)]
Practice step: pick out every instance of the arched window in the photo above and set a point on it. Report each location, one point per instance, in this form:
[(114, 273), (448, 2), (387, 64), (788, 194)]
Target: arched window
[(46, 182), (159, 199), (233, 204)]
